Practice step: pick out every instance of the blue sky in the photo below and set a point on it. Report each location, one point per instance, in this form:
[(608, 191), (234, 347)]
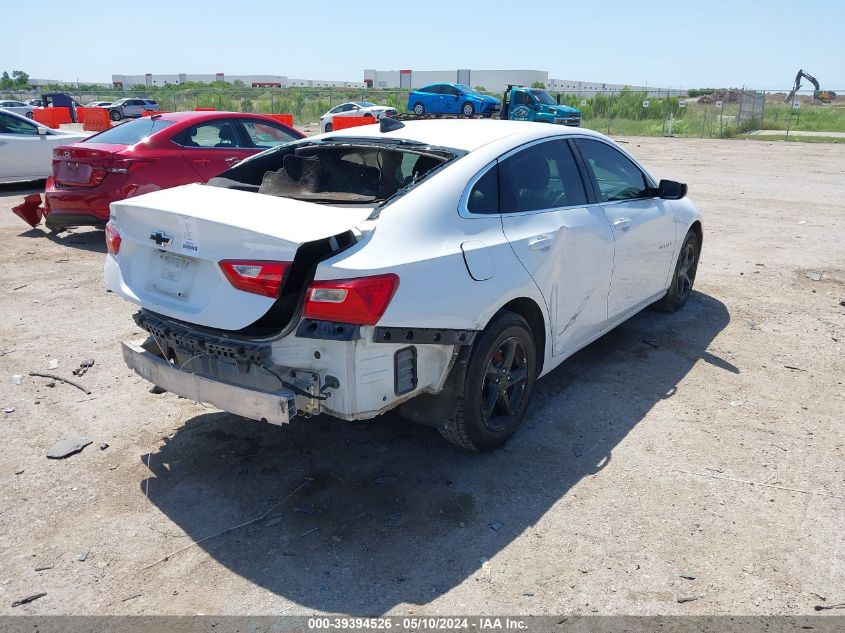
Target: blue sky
[(668, 44)]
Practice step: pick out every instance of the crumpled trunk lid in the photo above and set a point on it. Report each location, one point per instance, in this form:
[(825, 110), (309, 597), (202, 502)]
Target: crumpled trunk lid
[(173, 240)]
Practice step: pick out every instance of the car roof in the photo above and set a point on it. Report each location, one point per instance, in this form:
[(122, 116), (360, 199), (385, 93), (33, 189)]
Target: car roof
[(207, 115), (464, 134)]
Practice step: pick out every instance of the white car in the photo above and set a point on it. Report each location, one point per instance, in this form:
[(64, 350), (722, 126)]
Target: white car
[(98, 104), (18, 107), (355, 108), (441, 265), (26, 147)]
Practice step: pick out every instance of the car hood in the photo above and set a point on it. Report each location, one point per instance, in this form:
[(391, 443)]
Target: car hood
[(561, 110)]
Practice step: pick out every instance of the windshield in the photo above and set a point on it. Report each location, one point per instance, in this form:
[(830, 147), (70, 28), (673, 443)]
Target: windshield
[(364, 104), (466, 89), (131, 132), (543, 97)]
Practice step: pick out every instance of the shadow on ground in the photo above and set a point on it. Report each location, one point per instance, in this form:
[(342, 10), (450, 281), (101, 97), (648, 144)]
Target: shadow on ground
[(7, 190), (394, 514), (83, 238)]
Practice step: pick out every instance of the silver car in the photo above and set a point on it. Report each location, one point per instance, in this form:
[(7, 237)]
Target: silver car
[(131, 107)]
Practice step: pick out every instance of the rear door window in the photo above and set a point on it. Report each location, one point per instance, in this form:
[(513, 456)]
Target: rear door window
[(542, 176), (220, 133)]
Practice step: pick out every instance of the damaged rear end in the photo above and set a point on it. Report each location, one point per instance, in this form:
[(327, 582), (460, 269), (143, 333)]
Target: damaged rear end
[(225, 277)]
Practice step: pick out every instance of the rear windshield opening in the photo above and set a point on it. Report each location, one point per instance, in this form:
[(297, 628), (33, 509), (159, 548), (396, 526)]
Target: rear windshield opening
[(130, 132), (335, 173)]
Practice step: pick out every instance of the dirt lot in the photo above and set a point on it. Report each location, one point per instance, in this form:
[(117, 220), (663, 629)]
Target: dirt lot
[(697, 455)]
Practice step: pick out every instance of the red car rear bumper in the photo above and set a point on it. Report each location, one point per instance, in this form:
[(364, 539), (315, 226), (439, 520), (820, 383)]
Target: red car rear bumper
[(80, 206)]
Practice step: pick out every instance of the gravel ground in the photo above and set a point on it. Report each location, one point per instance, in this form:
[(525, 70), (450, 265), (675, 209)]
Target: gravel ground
[(693, 455)]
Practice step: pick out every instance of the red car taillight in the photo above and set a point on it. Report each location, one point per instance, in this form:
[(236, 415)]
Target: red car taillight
[(256, 276), (127, 165), (360, 301), (112, 239)]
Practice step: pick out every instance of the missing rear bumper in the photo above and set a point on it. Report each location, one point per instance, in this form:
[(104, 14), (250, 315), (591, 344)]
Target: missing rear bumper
[(275, 407)]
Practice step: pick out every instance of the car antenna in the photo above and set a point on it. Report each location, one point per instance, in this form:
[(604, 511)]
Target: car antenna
[(389, 125)]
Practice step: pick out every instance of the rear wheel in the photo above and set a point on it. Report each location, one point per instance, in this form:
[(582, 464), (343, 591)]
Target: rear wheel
[(114, 115), (468, 109), (684, 276), (419, 109), (500, 375)]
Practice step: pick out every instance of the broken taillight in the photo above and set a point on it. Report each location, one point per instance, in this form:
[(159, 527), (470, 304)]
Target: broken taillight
[(112, 238), (256, 276), (360, 301)]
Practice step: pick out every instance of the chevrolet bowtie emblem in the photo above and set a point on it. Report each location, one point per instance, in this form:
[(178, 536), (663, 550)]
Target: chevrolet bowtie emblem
[(161, 238)]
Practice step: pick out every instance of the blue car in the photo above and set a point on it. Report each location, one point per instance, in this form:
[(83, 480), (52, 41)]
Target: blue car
[(451, 99)]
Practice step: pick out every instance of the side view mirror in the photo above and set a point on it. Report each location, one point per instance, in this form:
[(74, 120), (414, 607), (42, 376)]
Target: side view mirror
[(42, 131), (671, 190)]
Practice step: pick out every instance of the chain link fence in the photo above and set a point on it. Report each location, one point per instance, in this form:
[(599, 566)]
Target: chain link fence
[(723, 114)]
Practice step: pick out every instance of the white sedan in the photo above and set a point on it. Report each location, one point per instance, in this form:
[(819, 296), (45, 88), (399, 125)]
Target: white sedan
[(442, 266), (26, 147), (355, 108), (18, 107)]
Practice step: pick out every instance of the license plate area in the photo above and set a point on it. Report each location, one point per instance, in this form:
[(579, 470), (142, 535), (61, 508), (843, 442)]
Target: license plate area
[(172, 275), (72, 171)]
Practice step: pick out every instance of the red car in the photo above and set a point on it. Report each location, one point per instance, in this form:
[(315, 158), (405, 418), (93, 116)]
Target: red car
[(148, 154)]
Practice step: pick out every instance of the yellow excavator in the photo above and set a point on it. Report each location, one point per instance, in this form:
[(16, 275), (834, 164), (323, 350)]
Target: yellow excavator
[(825, 96)]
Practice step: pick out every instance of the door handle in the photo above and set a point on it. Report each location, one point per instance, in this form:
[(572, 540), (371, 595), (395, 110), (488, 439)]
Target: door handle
[(231, 160), (622, 223), (541, 242), (201, 161)]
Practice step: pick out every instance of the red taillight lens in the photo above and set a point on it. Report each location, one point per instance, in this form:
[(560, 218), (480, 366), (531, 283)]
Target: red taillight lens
[(127, 165), (359, 301), (112, 239), (256, 276)]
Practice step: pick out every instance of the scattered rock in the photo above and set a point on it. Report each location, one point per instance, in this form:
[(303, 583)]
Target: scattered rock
[(16, 379), (66, 448), (54, 364), (83, 556), (19, 472), (577, 450), (104, 446), (651, 344), (28, 599), (813, 275), (157, 390), (687, 577), (336, 539), (9, 410), (274, 521), (44, 568), (684, 599), (497, 525)]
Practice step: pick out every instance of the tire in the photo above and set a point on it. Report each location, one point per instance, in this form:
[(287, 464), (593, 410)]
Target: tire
[(419, 109), (684, 276), (479, 425), (30, 114), (468, 109), (329, 127), (114, 115)]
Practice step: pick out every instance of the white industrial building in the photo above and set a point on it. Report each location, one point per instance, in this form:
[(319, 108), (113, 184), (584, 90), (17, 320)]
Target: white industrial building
[(496, 81), (129, 82), (490, 80)]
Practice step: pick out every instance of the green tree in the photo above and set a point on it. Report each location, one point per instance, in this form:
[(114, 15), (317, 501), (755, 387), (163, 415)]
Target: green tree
[(5, 80), (539, 84), (20, 78)]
